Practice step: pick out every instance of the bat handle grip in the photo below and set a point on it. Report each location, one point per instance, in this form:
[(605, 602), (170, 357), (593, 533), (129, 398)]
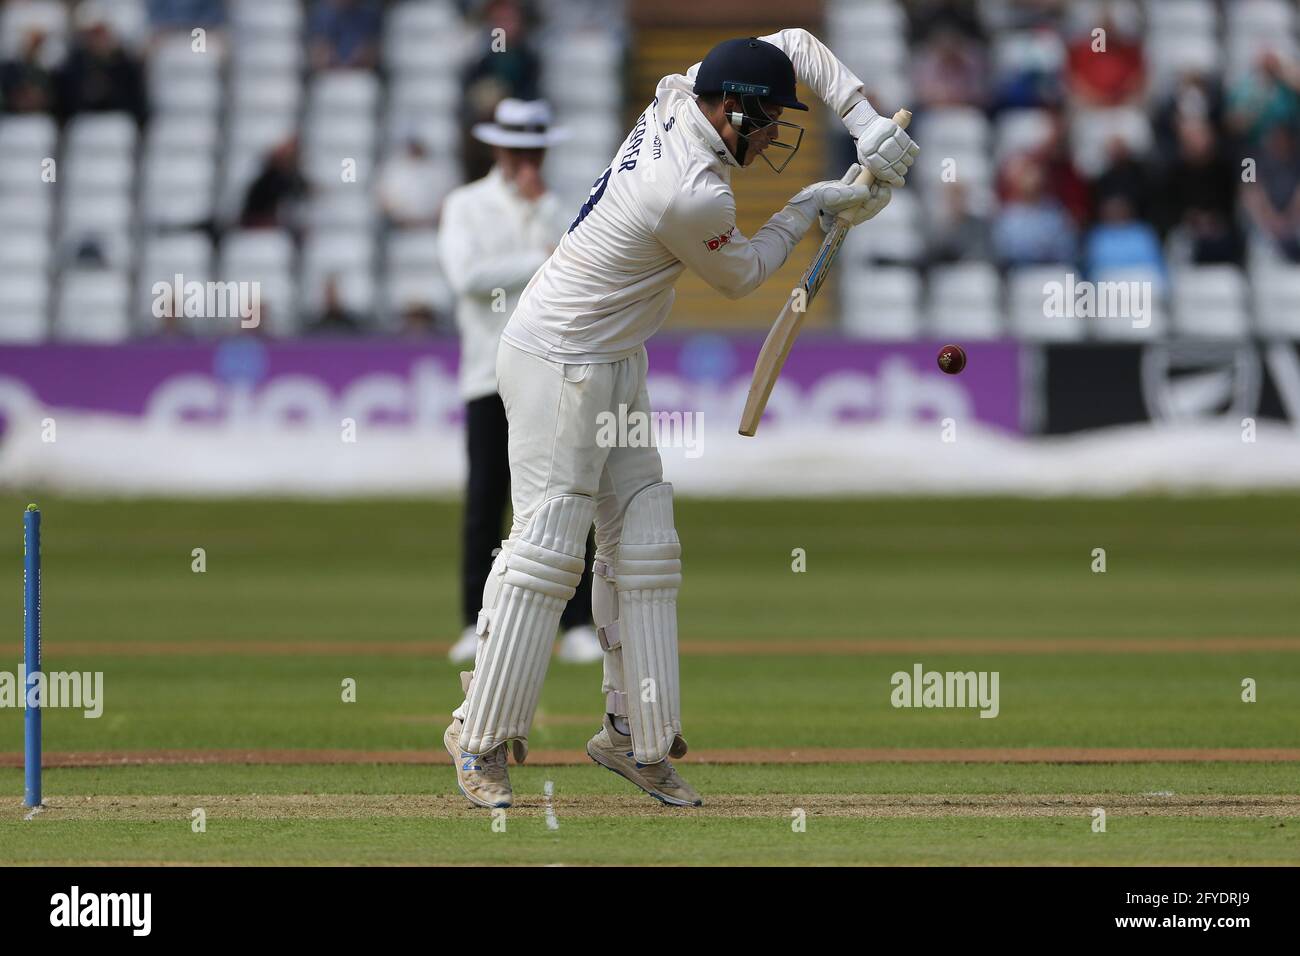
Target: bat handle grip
[(867, 177)]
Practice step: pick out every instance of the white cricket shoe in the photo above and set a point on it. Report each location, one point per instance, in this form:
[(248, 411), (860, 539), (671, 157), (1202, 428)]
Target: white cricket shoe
[(482, 778), (613, 751), (580, 645), (463, 651)]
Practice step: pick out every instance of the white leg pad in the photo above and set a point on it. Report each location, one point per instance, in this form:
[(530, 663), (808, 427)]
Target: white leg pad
[(532, 581), (648, 573)]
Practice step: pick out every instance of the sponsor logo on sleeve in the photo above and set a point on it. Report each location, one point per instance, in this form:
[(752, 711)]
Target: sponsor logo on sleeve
[(717, 242)]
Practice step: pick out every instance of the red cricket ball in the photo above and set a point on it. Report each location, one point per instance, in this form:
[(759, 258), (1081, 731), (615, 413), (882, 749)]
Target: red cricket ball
[(952, 359)]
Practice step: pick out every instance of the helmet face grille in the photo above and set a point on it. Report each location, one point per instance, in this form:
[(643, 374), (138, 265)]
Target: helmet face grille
[(754, 118)]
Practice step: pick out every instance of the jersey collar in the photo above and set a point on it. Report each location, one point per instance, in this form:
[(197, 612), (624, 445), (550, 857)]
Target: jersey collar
[(703, 131)]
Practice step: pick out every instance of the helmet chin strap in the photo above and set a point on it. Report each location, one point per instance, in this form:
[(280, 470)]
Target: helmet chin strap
[(742, 141)]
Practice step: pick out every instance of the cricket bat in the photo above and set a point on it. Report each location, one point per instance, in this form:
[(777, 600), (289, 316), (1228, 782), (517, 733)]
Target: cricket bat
[(779, 341)]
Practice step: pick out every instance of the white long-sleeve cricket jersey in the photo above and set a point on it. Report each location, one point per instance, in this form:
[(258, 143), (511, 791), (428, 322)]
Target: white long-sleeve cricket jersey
[(664, 203)]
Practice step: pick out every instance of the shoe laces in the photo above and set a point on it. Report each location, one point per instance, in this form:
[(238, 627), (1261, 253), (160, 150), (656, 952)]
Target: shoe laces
[(494, 761)]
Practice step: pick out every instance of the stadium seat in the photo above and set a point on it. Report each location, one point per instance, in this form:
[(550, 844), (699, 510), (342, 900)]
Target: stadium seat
[(1261, 16), (24, 303), (1122, 328), (181, 135), (93, 307), (965, 301), (254, 18), (267, 54), (83, 173), (896, 237), (24, 251), (266, 256), (885, 303), (22, 326), (277, 93), (30, 136), (1091, 131), (1277, 301), (351, 207), (1082, 16), (19, 175), (1027, 299), (1020, 131), (29, 211), (188, 96), (414, 28), (1181, 17), (93, 211), (342, 92), (875, 55), (410, 249), (250, 248), (954, 130), (347, 255), (1210, 302), (188, 254), (864, 17), (406, 290), (102, 134), (1169, 56), (174, 58), (178, 191)]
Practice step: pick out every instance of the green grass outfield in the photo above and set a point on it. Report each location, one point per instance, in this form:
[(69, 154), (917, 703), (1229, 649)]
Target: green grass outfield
[(1199, 594)]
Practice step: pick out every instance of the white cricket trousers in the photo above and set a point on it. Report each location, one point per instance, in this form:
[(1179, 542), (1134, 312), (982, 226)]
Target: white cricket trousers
[(554, 413), (554, 410)]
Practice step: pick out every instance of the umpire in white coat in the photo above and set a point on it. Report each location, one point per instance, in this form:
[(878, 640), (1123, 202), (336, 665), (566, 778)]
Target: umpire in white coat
[(496, 232)]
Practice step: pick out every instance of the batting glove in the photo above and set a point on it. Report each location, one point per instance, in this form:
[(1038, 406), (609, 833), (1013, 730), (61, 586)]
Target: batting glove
[(878, 197), (883, 146), (830, 197)]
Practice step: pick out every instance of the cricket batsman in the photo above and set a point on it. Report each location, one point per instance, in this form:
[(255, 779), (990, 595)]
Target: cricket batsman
[(573, 352)]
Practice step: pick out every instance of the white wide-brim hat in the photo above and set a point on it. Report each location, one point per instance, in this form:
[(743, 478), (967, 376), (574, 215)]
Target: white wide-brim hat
[(520, 124)]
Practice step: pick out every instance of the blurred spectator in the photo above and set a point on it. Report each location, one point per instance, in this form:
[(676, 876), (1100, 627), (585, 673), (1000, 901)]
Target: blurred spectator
[(1273, 201), (99, 75), (931, 17), (26, 85), (344, 34), (1121, 241), (1033, 226), (185, 15), (418, 320), (1029, 70), (335, 317), (950, 71), (956, 233), (1112, 76), (1197, 197), (1125, 176), (1063, 179), (1265, 98), (410, 186), (274, 195), (1195, 98), (507, 66)]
